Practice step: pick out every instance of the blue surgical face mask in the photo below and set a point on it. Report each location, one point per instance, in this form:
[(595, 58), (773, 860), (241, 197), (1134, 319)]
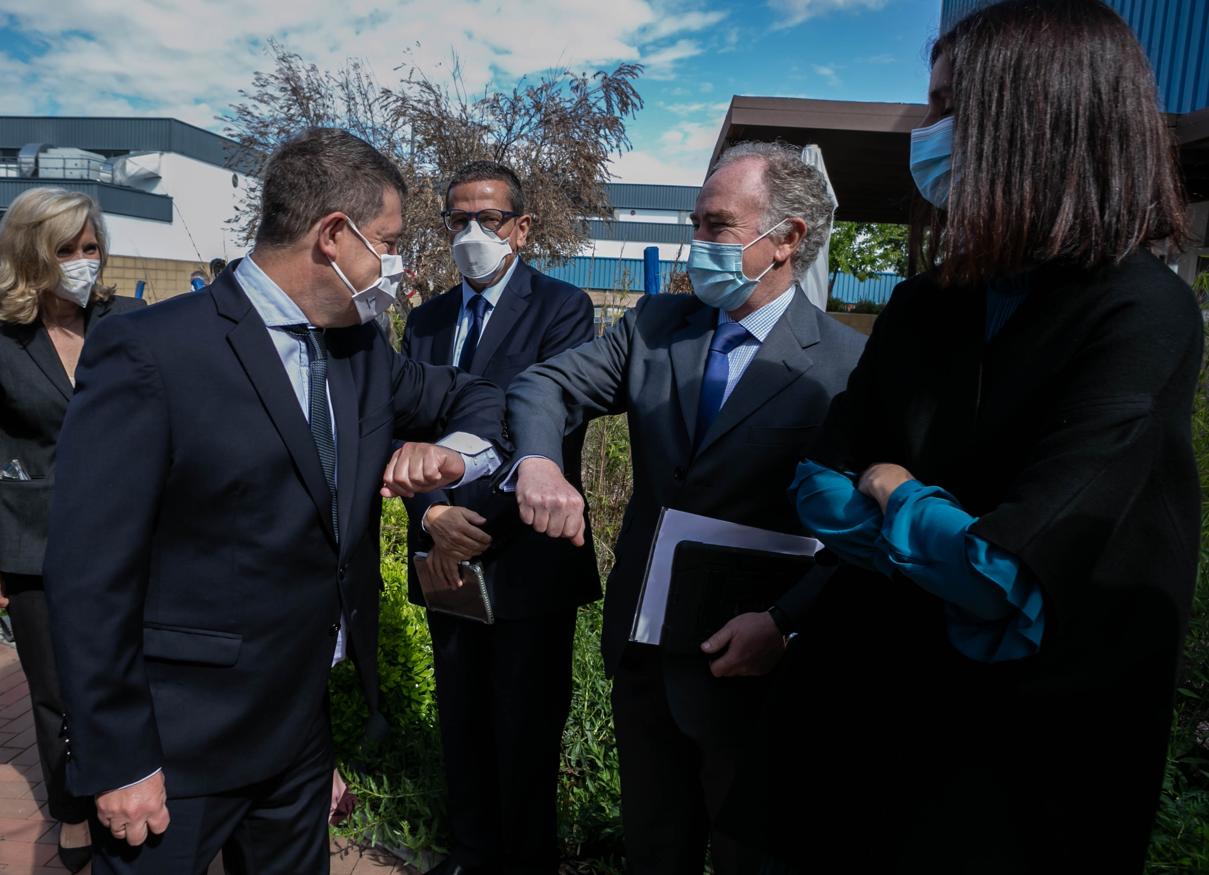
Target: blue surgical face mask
[(932, 161), (716, 272)]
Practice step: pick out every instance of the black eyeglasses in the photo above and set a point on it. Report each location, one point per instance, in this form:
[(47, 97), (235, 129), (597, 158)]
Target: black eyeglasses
[(489, 220)]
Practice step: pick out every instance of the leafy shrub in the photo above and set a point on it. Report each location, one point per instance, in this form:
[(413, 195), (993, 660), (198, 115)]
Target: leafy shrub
[(400, 785), (1180, 841)]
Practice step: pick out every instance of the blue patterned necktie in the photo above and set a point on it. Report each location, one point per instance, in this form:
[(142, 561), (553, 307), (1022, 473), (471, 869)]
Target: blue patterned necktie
[(319, 413), (478, 306), (717, 371)]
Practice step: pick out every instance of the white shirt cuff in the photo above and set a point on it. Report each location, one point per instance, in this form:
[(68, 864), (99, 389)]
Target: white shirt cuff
[(133, 783), (340, 652), (478, 455), (509, 484)]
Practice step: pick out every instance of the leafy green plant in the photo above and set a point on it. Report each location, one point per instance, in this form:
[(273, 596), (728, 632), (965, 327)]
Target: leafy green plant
[(400, 784), (1180, 840)]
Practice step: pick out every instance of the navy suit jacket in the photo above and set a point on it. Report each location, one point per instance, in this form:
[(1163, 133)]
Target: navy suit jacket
[(194, 580), (537, 317)]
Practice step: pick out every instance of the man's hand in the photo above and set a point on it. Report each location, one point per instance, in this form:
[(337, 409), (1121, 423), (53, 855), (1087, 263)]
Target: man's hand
[(455, 531), (752, 643), (548, 502), (338, 788), (421, 468), (444, 568), (879, 481), (133, 812), (3, 595)]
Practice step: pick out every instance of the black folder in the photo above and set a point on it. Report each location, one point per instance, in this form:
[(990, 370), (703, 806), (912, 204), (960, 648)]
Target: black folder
[(471, 601), (710, 585)]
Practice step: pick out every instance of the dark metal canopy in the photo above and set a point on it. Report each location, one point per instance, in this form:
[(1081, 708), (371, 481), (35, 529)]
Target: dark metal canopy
[(1192, 133), (867, 146)]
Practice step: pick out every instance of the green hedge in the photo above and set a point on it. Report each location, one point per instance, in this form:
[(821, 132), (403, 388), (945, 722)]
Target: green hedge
[(400, 786), (1180, 842)]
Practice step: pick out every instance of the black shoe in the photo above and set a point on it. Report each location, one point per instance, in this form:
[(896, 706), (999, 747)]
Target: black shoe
[(75, 859), (448, 867)]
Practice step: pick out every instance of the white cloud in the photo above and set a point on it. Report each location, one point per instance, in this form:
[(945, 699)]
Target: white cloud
[(828, 73), (660, 63), (714, 110), (689, 138), (647, 167), (797, 11), (877, 59), (670, 22), (187, 59)]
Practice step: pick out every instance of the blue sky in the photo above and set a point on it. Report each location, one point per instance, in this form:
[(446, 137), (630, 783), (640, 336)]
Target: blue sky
[(187, 59)]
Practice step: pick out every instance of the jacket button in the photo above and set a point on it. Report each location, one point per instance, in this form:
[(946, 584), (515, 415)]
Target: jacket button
[(678, 474), (335, 629)]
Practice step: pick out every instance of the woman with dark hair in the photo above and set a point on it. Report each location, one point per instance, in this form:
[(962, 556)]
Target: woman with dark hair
[(1010, 479)]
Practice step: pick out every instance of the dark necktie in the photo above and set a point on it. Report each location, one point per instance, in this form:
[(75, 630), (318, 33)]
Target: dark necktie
[(477, 305), (717, 372), (319, 414)]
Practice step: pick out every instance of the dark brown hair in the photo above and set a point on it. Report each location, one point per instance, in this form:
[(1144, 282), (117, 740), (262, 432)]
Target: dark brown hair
[(489, 171), (1060, 152), (321, 171)]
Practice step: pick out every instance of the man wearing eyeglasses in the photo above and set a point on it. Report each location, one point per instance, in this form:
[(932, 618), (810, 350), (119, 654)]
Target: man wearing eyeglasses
[(504, 690)]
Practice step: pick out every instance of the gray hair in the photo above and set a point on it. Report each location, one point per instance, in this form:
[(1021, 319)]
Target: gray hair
[(317, 172), (794, 190)]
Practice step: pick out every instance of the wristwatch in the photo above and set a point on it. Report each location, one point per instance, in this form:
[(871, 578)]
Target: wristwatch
[(783, 623)]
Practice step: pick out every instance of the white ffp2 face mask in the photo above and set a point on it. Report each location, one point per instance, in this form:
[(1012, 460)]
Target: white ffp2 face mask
[(478, 253), (79, 276), (373, 301)]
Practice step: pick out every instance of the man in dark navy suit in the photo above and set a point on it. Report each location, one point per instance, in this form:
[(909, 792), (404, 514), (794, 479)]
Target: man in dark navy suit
[(214, 545), (503, 689)]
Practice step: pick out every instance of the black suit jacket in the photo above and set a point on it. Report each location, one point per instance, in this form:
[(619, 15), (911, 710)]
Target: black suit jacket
[(34, 391), (1068, 436), (536, 318), (194, 580)]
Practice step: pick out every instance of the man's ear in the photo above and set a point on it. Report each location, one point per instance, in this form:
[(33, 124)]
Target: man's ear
[(523, 225), (328, 231), (793, 238)]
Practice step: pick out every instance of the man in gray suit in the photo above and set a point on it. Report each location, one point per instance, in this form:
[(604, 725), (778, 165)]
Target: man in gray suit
[(724, 392)]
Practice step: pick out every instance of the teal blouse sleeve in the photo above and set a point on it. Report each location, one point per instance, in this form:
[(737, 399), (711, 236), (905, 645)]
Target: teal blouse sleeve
[(993, 605)]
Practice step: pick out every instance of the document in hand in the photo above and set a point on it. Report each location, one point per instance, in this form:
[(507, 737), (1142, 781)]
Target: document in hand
[(712, 585), (471, 600), (676, 526)]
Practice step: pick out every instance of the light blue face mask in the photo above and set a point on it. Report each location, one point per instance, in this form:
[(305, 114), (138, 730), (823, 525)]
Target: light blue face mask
[(716, 272), (932, 161)]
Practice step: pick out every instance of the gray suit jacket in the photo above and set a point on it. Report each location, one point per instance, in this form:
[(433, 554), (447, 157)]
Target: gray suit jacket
[(650, 366), (34, 391)]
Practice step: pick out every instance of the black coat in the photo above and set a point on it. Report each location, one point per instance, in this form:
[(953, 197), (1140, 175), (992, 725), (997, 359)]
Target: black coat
[(194, 580), (1068, 435), (537, 317), (34, 391)]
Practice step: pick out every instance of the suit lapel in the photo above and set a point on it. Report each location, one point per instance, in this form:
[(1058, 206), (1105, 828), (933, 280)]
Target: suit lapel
[(508, 311), (37, 344), (781, 360), (249, 338), (449, 306), (344, 406), (690, 345)]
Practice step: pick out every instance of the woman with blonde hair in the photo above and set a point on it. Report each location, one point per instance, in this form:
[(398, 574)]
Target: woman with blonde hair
[(52, 252)]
